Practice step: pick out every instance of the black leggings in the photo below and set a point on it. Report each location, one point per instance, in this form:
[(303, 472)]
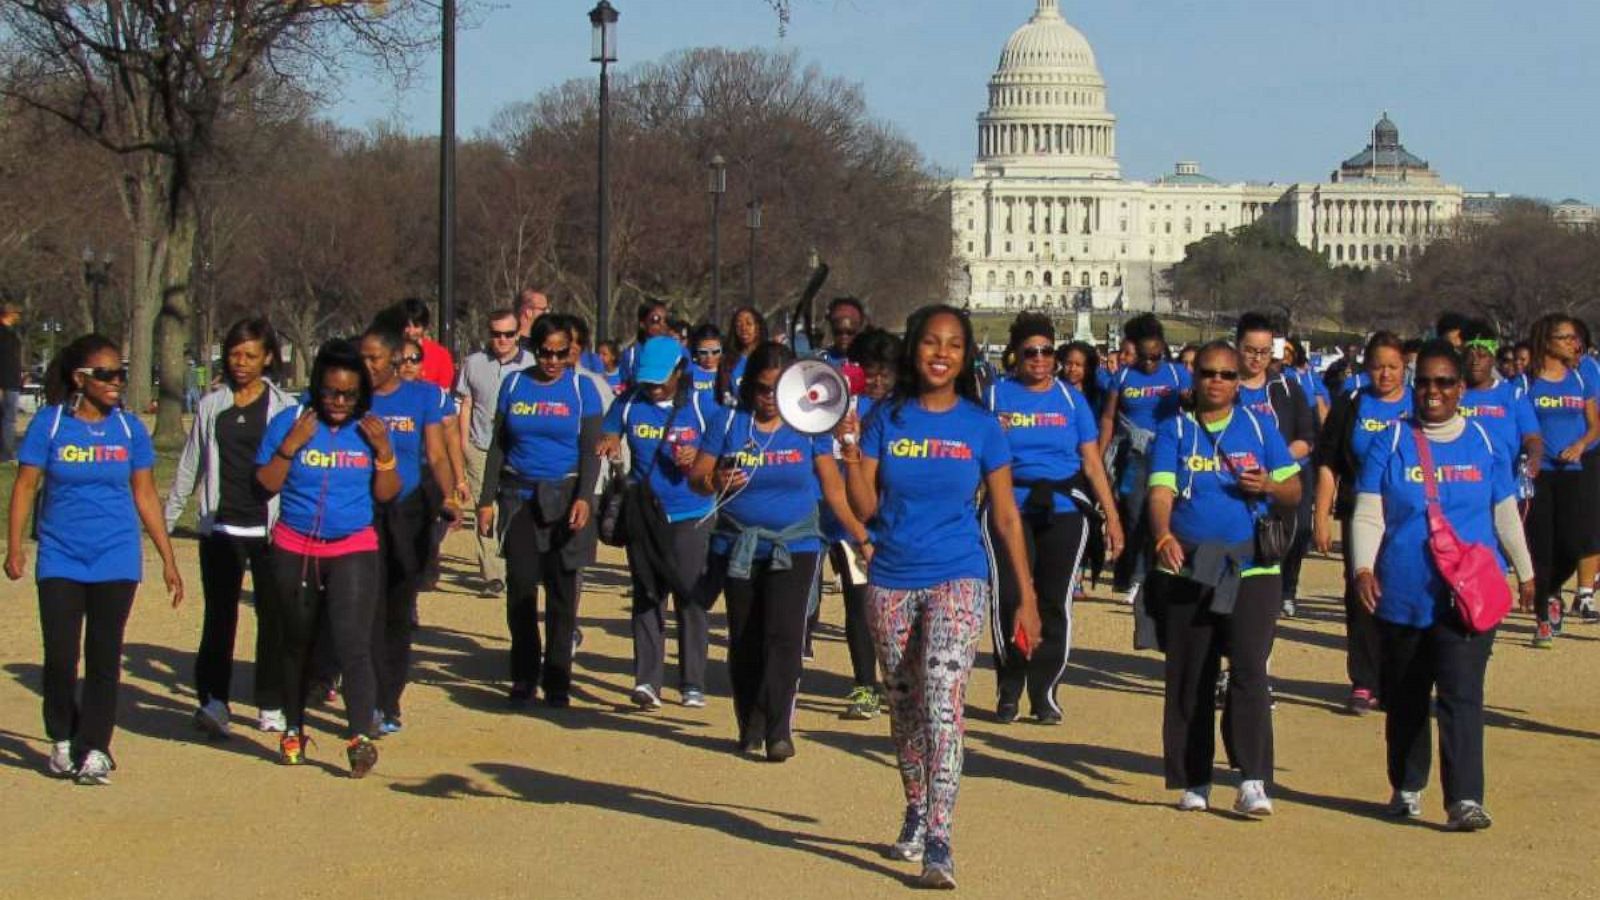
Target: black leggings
[(1558, 528), (1196, 640), (857, 630), (1361, 650), (404, 539), (347, 587), (766, 630), (224, 559), (65, 607), (1055, 551), (527, 569), (1295, 560)]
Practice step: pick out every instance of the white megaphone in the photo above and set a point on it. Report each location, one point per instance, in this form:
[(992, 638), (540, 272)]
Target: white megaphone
[(812, 396)]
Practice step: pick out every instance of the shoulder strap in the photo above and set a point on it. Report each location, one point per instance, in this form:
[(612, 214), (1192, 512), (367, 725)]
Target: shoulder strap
[(1485, 435), (1256, 423), (577, 388), (1430, 487), (1067, 393), (991, 392), (122, 419), (56, 424), (1177, 380), (627, 407)]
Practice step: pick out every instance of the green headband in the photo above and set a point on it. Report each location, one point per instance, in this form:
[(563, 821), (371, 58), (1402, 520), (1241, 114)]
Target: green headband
[(1490, 345)]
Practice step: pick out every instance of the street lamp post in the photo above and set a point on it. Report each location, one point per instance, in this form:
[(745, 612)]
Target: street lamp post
[(97, 275), (603, 50), (717, 186), (752, 221)]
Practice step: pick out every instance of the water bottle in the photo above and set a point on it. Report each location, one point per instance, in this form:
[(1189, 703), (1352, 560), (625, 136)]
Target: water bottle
[(1524, 483)]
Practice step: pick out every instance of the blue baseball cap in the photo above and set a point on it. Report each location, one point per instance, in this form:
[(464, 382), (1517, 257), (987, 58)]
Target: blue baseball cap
[(657, 359)]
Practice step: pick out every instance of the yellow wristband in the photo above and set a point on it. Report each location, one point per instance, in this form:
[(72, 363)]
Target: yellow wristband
[(1163, 541), (385, 466)]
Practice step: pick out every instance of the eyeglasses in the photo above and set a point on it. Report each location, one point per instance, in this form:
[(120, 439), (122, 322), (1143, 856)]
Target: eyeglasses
[(547, 353), (765, 390), (1217, 375), (336, 395), (709, 351), (1154, 358), (1257, 352), (503, 335), (1442, 382), (1037, 352), (411, 359), (105, 376)]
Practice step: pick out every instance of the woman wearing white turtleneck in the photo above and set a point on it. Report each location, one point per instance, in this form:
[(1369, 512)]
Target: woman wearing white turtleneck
[(1425, 645)]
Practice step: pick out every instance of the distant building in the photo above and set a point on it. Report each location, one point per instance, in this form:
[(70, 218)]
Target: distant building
[(1047, 221)]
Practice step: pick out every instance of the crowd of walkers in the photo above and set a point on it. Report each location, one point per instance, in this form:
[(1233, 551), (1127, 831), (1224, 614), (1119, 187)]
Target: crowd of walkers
[(955, 497)]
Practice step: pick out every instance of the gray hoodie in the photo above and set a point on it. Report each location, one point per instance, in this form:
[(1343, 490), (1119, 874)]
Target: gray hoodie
[(200, 460)]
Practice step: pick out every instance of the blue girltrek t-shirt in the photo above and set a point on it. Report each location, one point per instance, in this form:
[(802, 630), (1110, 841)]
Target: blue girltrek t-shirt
[(781, 466), (1373, 418), (1559, 406), (1589, 371), (1472, 475), (644, 425), (1150, 400), (1210, 506), (1504, 412), (929, 467), (407, 410), (328, 492), (704, 384), (542, 422), (88, 527), (1313, 386), (1044, 430)]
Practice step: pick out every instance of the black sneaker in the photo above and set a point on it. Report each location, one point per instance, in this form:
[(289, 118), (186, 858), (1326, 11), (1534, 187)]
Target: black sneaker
[(363, 755), (521, 694), (908, 846), (1006, 712), (1585, 609), (938, 870), (1047, 717), (780, 750)]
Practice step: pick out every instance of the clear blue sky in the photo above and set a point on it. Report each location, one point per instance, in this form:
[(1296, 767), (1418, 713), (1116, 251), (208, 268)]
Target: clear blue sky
[(1497, 95)]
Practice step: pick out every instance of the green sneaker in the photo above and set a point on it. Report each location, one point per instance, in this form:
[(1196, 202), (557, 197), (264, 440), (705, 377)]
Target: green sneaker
[(862, 704), (1543, 636)]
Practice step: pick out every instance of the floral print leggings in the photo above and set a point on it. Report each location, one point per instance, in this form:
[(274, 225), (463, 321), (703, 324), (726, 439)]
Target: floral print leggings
[(926, 641)]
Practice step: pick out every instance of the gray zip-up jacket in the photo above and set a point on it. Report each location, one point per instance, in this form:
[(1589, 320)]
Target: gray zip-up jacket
[(200, 460)]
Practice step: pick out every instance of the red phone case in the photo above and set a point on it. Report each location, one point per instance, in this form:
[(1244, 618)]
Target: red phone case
[(1020, 638)]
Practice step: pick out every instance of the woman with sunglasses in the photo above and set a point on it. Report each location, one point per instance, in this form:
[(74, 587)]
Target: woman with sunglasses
[(1213, 474), (537, 492), (654, 321), (1053, 435), (1426, 648), (747, 330), (1561, 521), (768, 480), (413, 412), (235, 518), (1357, 418), (94, 464), (410, 369), (1146, 394), (705, 353), (915, 473), (329, 465)]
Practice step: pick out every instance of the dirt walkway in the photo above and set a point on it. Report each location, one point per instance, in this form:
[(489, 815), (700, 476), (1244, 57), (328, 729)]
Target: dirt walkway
[(600, 801)]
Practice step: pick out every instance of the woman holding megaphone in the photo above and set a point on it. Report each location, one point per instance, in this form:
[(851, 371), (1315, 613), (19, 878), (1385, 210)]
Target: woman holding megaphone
[(768, 479), (914, 474)]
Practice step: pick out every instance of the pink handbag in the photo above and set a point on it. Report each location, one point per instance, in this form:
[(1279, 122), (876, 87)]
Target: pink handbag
[(1477, 579)]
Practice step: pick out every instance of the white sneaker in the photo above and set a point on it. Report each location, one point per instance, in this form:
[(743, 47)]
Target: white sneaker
[(1253, 799), (272, 720), (213, 718), (1196, 799), (1405, 805), (644, 697), (61, 760), (96, 769)]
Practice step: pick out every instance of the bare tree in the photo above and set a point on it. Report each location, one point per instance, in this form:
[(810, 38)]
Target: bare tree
[(150, 81)]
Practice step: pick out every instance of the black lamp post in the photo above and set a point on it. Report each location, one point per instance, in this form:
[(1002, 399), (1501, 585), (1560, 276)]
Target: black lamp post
[(717, 186), (603, 50), (97, 275), (752, 221)]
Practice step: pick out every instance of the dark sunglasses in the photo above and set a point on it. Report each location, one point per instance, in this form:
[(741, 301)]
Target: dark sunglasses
[(1217, 375), (1157, 358), (106, 376), (1037, 352), (547, 353), (1442, 382), (333, 394), (712, 351), (503, 335), (765, 390), (412, 359)]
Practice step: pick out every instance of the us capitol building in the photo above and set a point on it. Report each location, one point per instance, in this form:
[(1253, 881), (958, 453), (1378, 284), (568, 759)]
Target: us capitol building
[(1047, 213)]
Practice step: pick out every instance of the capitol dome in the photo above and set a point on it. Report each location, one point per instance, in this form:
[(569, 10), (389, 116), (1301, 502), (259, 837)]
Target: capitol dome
[(1047, 112)]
